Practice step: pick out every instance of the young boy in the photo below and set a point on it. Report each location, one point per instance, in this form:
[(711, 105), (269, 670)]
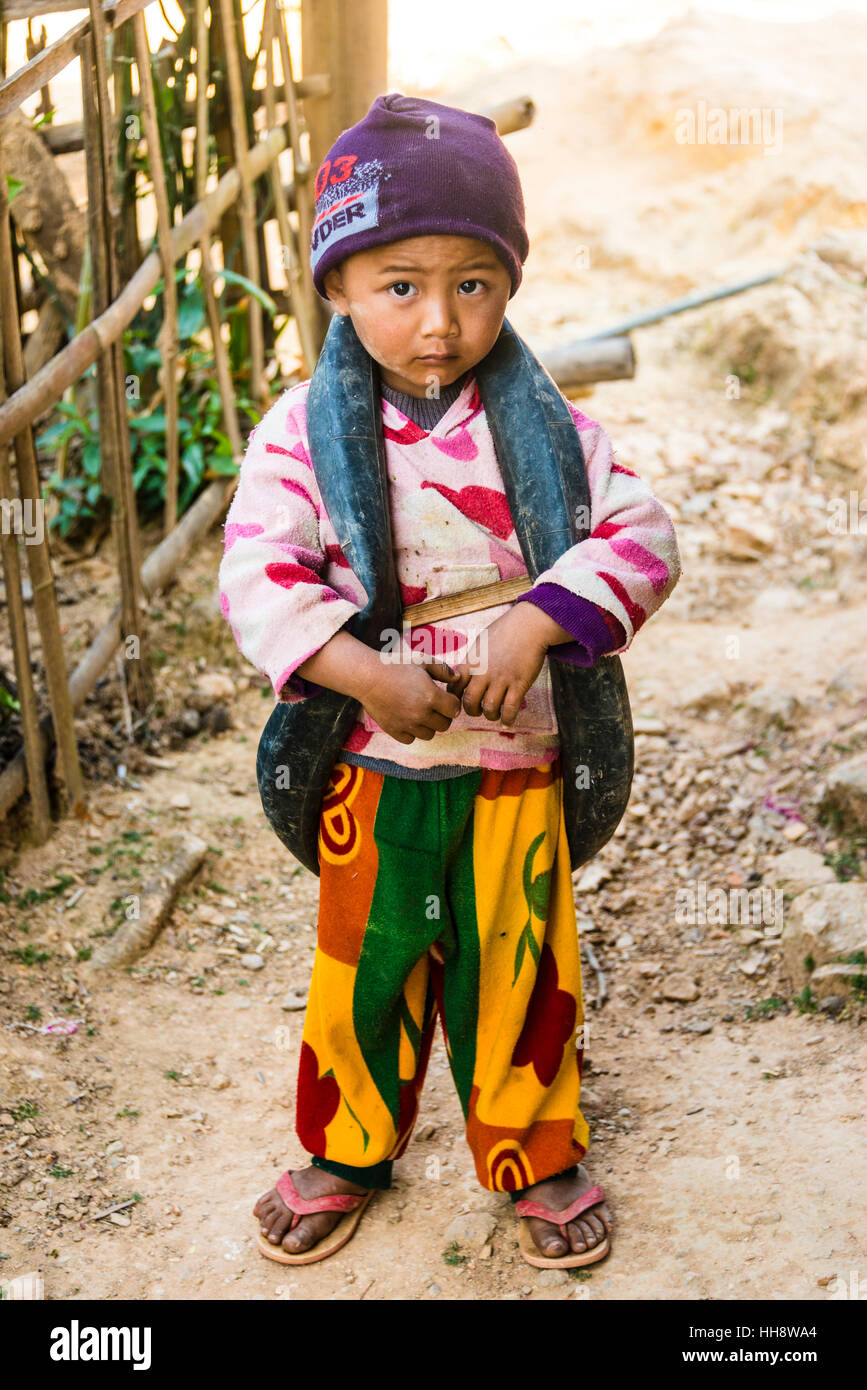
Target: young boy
[(445, 880)]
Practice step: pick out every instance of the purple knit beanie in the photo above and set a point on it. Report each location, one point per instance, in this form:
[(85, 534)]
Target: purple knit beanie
[(414, 167)]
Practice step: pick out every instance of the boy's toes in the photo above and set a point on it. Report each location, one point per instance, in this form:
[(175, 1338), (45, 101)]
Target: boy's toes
[(585, 1234), (577, 1237), (275, 1226), (306, 1234), (548, 1239)]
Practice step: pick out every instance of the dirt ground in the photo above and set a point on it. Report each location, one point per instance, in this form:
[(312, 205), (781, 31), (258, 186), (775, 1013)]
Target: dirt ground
[(726, 1124)]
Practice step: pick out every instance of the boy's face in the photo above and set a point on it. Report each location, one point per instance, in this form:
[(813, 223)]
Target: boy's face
[(425, 308)]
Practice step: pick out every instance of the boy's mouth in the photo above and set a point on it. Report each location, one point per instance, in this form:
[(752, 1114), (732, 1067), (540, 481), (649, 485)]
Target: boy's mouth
[(439, 357)]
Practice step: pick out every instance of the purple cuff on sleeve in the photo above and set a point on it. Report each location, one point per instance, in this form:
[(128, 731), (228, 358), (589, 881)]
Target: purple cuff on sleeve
[(304, 687), (593, 637)]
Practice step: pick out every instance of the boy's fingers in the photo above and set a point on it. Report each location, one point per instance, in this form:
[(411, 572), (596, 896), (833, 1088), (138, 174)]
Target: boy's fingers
[(492, 701), (473, 696), (439, 670)]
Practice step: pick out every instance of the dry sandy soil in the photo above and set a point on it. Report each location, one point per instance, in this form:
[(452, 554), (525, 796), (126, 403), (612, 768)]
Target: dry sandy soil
[(725, 1127)]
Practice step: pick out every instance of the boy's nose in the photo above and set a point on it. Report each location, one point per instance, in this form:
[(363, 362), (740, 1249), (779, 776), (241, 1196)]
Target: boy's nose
[(439, 322)]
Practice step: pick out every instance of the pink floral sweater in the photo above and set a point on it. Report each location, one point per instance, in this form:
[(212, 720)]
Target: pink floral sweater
[(286, 587)]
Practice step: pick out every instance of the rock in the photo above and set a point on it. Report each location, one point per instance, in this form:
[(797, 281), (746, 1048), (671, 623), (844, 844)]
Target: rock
[(550, 1278), (827, 981), (211, 915), (592, 878), (649, 724), (216, 685), (294, 1001), (747, 537), (6, 1120), (679, 987), (846, 791), (189, 722), (252, 961), (115, 1147), (220, 1082), (698, 1025), (119, 1218), (773, 705), (795, 830), (472, 1229), (827, 924), (834, 1004), (711, 691), (217, 719), (777, 601), (426, 1132), (180, 801)]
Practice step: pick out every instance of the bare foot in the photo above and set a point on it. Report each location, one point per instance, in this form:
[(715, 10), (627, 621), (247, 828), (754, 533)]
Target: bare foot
[(587, 1230), (275, 1217)]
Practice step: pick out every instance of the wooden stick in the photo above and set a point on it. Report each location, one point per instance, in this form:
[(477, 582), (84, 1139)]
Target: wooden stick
[(68, 137), (237, 109), (138, 685), (468, 601), (295, 281), (154, 904), (113, 425), (168, 335), (38, 555), (301, 169), (515, 114), (33, 758), (221, 356), (118, 1206)]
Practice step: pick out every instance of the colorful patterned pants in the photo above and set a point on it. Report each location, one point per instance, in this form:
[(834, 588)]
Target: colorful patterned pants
[(449, 897)]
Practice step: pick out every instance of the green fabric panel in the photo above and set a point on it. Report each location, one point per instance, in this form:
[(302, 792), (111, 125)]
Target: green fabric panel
[(377, 1175), (461, 952), (398, 933)]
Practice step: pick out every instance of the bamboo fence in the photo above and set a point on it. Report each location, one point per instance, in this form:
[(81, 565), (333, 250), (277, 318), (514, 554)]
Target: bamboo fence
[(253, 174)]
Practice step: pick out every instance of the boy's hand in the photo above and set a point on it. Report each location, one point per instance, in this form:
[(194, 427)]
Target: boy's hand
[(517, 644), (405, 701)]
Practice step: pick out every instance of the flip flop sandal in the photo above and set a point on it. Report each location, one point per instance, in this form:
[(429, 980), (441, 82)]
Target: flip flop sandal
[(348, 1202), (572, 1259)]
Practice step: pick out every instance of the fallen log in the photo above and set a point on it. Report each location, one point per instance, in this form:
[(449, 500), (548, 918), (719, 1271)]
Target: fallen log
[(582, 363), (152, 905)]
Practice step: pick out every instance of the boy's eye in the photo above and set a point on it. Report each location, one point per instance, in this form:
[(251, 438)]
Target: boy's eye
[(472, 282), (399, 287)]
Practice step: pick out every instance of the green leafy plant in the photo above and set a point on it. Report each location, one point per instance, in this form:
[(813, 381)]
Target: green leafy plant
[(452, 1256), (27, 1110), (205, 451), (804, 1002)]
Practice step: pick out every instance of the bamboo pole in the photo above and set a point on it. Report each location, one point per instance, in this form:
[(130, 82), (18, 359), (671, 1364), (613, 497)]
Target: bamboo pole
[(130, 246), (221, 357), (46, 386), (68, 136), (38, 555), (302, 171), (301, 306), (237, 110), (32, 760), (168, 335), (113, 424)]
